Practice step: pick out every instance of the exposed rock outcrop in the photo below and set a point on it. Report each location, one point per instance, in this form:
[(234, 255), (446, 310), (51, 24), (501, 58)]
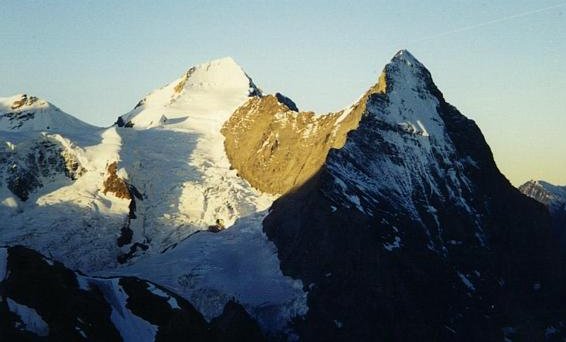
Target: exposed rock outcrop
[(28, 166), (114, 183), (24, 100)]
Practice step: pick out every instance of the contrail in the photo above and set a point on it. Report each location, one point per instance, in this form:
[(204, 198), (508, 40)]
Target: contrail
[(494, 21)]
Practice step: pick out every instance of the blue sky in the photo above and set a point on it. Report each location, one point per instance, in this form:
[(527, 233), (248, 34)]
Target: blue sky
[(502, 63)]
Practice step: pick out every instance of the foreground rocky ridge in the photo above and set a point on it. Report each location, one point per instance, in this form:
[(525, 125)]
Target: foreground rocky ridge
[(412, 221), (40, 298)]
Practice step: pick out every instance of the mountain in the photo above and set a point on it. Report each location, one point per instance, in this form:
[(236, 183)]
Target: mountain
[(554, 198), (141, 193), (29, 113), (412, 221), (40, 298), (387, 220), (204, 97)]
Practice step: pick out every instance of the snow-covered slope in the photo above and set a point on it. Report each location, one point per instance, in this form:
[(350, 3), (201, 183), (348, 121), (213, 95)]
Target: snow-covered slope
[(174, 155), (204, 97)]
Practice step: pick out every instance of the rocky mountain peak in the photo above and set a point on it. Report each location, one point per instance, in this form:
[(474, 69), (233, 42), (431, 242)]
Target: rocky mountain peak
[(405, 57), (544, 192), (24, 112), (21, 102), (414, 205)]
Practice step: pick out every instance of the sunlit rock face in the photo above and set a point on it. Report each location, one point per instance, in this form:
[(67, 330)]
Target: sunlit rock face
[(276, 148), (412, 221)]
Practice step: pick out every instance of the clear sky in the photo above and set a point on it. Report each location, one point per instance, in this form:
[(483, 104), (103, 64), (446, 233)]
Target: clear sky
[(502, 63)]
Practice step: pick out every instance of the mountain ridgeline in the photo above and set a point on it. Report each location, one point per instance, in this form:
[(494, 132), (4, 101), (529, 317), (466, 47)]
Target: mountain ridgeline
[(385, 221)]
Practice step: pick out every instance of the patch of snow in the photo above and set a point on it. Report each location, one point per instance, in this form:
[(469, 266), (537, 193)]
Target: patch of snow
[(450, 329), (10, 202), (31, 320), (170, 300), (83, 282), (393, 245), (81, 332), (130, 326), (466, 281)]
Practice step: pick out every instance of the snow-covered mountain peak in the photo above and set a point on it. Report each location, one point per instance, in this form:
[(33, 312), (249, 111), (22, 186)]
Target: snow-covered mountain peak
[(412, 98), (221, 73), (21, 102), (544, 192), (405, 57), (24, 112), (209, 91)]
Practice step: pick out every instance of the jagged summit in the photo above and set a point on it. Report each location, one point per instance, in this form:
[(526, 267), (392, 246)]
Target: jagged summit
[(23, 112), (21, 102), (211, 90), (544, 192), (406, 57)]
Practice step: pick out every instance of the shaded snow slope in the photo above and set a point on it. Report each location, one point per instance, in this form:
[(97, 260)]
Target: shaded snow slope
[(65, 215), (209, 269)]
